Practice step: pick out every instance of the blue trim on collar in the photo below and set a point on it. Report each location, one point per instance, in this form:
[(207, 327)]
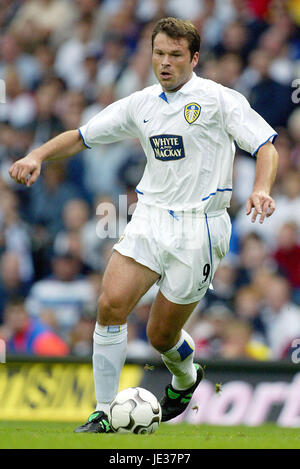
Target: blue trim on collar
[(164, 97)]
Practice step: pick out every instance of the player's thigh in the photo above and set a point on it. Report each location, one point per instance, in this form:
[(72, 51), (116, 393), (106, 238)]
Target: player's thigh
[(193, 257), (124, 282), (166, 321)]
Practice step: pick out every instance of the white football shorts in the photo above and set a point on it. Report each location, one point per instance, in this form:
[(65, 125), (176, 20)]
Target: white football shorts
[(184, 248)]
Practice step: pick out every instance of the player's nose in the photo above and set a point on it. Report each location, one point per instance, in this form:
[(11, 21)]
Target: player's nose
[(165, 60)]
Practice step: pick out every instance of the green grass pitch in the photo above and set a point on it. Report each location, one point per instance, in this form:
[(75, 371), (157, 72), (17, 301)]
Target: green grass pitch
[(51, 435)]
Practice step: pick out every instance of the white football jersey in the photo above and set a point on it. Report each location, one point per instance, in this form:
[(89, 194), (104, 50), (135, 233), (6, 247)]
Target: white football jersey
[(188, 138)]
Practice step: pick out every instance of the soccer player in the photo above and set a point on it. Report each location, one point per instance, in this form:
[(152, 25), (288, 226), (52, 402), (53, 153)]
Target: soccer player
[(180, 229)]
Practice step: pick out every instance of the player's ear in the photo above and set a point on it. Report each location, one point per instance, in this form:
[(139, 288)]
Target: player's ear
[(195, 59)]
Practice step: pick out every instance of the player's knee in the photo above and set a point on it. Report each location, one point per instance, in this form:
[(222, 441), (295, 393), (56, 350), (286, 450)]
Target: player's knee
[(159, 339), (111, 310)]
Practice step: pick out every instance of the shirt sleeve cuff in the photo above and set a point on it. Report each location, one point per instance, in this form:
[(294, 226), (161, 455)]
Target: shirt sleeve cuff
[(84, 142), (271, 139)]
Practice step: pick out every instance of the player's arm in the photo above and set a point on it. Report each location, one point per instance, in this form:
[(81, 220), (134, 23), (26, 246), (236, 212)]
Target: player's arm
[(266, 168), (27, 169)]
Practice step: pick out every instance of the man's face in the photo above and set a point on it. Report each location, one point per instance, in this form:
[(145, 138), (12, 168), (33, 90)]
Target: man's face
[(16, 318), (171, 60), (66, 269)]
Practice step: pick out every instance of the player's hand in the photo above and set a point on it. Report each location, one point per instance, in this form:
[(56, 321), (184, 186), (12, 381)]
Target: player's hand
[(263, 205), (26, 170)]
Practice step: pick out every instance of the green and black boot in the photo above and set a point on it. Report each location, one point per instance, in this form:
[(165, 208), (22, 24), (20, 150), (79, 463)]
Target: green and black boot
[(97, 423), (175, 402)]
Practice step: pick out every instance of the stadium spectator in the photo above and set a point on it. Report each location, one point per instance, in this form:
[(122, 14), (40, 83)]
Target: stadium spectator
[(280, 316), (46, 123), (107, 224), (8, 10), (75, 216), (230, 67), (287, 257), (43, 18), (259, 8), (81, 337), (254, 254), (28, 336), (206, 328), (268, 97), (287, 201), (11, 282), (293, 126), (72, 106), (237, 342), (282, 68), (248, 308), (48, 197), (65, 293), (95, 279), (132, 166), (261, 279), (19, 109), (223, 287), (209, 69), (124, 23), (113, 59), (105, 159), (138, 344), (100, 166), (90, 87), (45, 55), (137, 74), (105, 95), (71, 54), (14, 233), (12, 55), (243, 176), (233, 41)]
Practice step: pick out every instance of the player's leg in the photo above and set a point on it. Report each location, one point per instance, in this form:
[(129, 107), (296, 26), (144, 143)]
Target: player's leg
[(185, 281), (166, 334), (124, 283)]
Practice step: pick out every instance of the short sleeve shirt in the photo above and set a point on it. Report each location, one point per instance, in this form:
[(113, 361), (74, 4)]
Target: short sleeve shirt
[(188, 141)]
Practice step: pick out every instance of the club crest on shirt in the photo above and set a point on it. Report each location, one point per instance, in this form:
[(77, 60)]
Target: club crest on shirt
[(192, 112)]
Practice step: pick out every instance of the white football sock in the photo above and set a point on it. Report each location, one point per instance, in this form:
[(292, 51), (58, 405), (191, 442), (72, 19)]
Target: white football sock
[(179, 360), (110, 345)]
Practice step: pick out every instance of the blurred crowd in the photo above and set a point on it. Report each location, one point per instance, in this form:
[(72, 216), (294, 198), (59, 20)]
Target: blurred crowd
[(62, 61)]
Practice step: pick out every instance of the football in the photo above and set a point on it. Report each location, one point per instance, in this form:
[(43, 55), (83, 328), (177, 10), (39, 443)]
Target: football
[(135, 410)]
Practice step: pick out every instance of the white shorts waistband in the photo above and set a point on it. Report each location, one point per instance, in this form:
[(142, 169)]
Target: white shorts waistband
[(196, 213), (184, 213)]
